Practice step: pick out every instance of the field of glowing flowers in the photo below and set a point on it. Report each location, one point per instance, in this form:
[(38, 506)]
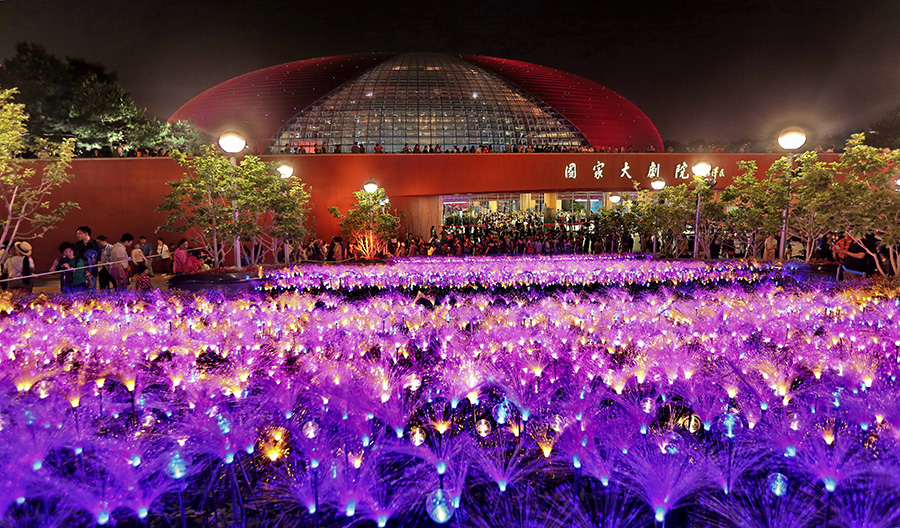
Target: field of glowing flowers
[(578, 391)]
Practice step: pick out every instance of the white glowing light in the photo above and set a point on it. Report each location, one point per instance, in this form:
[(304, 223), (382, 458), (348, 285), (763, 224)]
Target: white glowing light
[(792, 138), (232, 142), (701, 168), (370, 186), (285, 169)]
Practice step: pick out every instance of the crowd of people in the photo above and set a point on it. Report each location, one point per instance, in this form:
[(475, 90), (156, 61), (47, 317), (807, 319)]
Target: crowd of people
[(92, 263), (99, 264), (378, 148)]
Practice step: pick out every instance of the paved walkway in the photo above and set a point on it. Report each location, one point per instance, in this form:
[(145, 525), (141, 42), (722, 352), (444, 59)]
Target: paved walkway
[(51, 285)]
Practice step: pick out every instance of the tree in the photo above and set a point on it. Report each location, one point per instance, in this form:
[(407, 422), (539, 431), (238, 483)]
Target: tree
[(76, 98), (181, 136), (868, 199), (812, 199), (751, 213), (675, 212), (217, 202), (25, 185), (368, 225)]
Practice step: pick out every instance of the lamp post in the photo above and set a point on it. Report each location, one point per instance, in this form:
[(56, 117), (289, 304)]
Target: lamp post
[(285, 170), (790, 139), (657, 184), (703, 170), (371, 187), (233, 142)]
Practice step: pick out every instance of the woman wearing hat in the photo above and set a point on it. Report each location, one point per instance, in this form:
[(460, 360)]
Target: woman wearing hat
[(18, 266)]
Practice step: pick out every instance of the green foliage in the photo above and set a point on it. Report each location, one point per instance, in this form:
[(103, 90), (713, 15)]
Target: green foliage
[(867, 201), (368, 225), (182, 136), (216, 202), (73, 98), (25, 185), (753, 212)]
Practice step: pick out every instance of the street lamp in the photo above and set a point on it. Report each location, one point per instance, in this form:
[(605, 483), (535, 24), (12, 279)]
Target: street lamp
[(370, 186), (233, 142), (657, 184), (285, 169), (790, 139), (615, 198), (703, 170)]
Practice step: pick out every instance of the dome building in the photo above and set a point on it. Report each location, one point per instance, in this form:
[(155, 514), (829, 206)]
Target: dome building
[(427, 99)]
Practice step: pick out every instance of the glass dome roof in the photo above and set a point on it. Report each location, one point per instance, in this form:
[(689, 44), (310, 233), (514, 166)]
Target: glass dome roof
[(426, 99)]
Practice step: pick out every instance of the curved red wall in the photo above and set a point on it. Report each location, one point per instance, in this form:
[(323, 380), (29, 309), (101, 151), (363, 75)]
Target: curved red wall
[(119, 195)]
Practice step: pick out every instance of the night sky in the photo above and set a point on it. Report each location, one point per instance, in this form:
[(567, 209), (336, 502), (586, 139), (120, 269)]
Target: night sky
[(721, 70)]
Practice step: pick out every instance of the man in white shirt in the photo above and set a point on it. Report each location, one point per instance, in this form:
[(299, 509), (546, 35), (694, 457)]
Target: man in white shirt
[(119, 266)]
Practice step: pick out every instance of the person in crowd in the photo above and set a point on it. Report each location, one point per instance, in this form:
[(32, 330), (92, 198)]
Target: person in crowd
[(88, 249), (119, 266), (137, 257), (194, 261), (18, 268), (147, 250), (104, 275), (338, 249), (770, 248), (73, 274), (142, 278), (179, 259), (163, 256), (859, 259)]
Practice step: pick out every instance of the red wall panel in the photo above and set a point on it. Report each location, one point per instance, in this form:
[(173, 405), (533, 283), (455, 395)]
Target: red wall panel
[(121, 195)]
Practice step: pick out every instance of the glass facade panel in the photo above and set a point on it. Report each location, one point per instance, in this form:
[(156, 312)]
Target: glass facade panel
[(426, 100)]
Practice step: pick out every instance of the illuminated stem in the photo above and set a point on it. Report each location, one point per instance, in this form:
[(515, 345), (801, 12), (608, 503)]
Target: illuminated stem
[(235, 498), (133, 411), (316, 487), (181, 509)]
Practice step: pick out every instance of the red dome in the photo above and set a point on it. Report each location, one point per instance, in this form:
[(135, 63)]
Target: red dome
[(603, 116), (259, 104)]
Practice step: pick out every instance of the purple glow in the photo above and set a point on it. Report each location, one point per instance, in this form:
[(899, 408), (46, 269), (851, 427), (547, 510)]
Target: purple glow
[(700, 384)]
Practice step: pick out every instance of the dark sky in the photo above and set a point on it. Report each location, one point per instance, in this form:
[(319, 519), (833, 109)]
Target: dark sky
[(714, 70)]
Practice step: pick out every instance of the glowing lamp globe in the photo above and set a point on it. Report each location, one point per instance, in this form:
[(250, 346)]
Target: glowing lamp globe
[(310, 429), (438, 506), (370, 186), (615, 198), (482, 428), (285, 170), (701, 168), (658, 184), (777, 484), (792, 138), (232, 142), (730, 425)]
